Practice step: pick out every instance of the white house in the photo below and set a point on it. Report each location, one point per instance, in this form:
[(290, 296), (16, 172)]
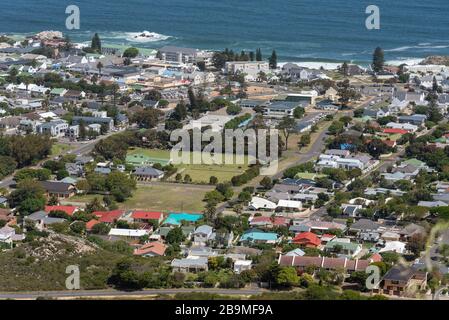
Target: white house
[(252, 68), (258, 203), (242, 265)]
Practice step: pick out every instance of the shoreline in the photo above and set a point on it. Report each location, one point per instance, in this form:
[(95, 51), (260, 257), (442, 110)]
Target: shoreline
[(161, 39)]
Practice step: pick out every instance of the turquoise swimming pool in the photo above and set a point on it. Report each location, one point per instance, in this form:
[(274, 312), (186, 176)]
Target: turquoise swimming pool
[(177, 218)]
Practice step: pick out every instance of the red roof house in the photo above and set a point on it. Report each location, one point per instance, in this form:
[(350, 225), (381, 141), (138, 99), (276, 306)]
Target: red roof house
[(307, 239), (395, 131), (144, 216), (108, 216), (70, 210), (151, 249), (90, 224)]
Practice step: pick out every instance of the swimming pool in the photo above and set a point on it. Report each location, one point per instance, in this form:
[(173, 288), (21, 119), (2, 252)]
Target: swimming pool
[(177, 218)]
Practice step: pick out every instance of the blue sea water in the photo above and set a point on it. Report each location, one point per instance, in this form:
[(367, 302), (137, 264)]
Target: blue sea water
[(300, 30)]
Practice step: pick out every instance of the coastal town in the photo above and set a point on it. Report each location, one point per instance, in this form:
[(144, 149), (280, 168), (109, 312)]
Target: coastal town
[(88, 178)]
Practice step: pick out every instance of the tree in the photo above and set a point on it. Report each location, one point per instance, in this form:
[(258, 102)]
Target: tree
[(153, 95), (28, 197), (95, 205), (304, 141), (298, 113), (266, 183), (78, 227), (272, 61), (233, 109), (286, 125), (131, 52), (378, 60), (96, 43), (99, 66), (213, 180), (147, 118), (175, 236), (180, 111), (287, 277), (336, 127), (187, 178), (344, 69), (210, 211), (219, 60), (100, 228), (259, 55)]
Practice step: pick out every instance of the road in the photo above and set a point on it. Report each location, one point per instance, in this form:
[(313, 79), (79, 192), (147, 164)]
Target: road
[(118, 294)]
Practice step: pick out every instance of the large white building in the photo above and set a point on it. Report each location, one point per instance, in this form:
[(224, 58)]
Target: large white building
[(252, 68)]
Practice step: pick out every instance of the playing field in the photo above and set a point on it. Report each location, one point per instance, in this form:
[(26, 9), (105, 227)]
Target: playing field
[(160, 197), (200, 173)]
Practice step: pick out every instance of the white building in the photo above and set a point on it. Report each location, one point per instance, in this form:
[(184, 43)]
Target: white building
[(252, 68)]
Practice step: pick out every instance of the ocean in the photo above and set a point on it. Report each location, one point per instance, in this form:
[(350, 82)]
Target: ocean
[(299, 30)]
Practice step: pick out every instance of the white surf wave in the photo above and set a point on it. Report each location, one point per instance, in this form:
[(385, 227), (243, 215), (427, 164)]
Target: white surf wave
[(407, 61), (314, 65), (140, 37), (420, 46)]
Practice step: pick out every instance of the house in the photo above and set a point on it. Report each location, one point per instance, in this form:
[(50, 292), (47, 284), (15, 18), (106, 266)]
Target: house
[(59, 92), (190, 264), (258, 203), (331, 94), (257, 236), (404, 126), (242, 265), (251, 68), (343, 247), (74, 169), (296, 253), (8, 236), (107, 122), (307, 239), (147, 174), (402, 281), (280, 109), (91, 223), (128, 233), (40, 220), (289, 205), (69, 210), (327, 104), (108, 216), (151, 249), (147, 216), (7, 216), (394, 246), (305, 263), (376, 113), (58, 189), (351, 209), (415, 119), (178, 54), (10, 122), (203, 234), (54, 128)]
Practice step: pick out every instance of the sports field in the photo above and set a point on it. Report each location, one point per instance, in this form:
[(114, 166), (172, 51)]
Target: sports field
[(199, 172)]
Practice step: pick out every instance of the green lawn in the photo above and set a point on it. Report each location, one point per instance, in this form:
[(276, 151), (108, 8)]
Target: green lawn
[(60, 148), (170, 197), (198, 172)]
